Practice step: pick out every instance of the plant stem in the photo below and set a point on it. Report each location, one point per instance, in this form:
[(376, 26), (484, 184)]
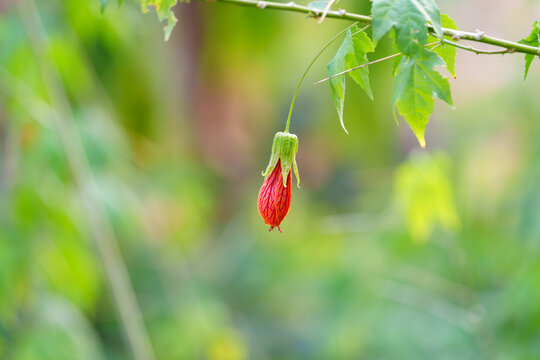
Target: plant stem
[(437, 43), (291, 6), (478, 51), (309, 67), (477, 36)]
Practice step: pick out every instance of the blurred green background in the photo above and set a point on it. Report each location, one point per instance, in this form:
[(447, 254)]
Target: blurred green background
[(109, 135)]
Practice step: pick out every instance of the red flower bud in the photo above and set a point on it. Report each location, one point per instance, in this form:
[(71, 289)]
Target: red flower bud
[(275, 198), (275, 195)]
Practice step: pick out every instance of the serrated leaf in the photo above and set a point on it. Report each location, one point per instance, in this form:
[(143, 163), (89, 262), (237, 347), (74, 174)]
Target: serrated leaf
[(409, 18), (415, 85), (350, 54), (445, 51), (361, 46), (533, 40), (164, 11)]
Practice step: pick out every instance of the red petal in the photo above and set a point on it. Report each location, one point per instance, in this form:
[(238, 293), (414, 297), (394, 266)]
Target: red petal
[(274, 198)]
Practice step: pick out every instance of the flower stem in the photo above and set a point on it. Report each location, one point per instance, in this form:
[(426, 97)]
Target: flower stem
[(309, 67)]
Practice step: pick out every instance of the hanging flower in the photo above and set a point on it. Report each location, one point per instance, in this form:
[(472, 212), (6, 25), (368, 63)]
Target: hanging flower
[(275, 194)]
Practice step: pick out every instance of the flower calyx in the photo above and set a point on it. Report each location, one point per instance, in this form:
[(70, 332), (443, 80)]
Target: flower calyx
[(284, 148)]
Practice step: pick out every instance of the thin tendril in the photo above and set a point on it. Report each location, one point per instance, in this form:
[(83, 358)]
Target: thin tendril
[(309, 67)]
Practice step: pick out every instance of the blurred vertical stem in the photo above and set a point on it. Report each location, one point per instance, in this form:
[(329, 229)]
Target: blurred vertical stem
[(309, 67), (100, 226), (6, 170)]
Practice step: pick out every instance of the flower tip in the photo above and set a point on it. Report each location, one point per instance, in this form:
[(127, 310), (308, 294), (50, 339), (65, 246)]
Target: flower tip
[(273, 226)]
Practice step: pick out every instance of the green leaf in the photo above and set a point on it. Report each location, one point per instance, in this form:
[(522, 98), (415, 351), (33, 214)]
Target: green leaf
[(395, 49), (350, 54), (415, 85), (409, 17), (533, 40), (361, 46), (164, 11), (445, 51), (337, 85)]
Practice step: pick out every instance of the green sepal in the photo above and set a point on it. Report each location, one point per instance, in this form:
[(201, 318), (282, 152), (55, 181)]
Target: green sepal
[(284, 148)]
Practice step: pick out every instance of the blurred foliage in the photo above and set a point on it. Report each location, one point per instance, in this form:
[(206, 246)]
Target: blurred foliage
[(424, 193), (385, 255)]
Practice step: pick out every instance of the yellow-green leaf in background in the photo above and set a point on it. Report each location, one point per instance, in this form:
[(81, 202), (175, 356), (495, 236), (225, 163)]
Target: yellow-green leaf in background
[(424, 195)]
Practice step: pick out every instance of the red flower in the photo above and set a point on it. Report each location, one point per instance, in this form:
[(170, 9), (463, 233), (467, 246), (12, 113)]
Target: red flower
[(274, 198), (275, 195)]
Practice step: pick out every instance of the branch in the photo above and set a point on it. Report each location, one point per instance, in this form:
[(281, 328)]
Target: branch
[(291, 6), (479, 51), (478, 36)]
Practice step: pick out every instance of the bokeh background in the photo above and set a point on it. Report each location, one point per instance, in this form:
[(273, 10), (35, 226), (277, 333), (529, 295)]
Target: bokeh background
[(116, 145)]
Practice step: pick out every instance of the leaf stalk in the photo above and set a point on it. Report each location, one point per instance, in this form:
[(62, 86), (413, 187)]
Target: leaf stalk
[(309, 67)]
